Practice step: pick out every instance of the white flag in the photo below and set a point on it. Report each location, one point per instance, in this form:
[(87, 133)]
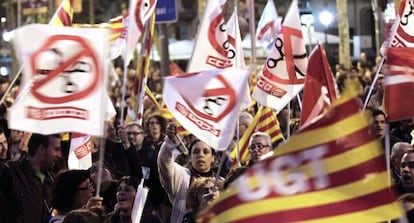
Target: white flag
[(268, 26), (207, 103), (283, 74), (63, 86), (80, 156), (235, 52), (139, 13), (210, 49)]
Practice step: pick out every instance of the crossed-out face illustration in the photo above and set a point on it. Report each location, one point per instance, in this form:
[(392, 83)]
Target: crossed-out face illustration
[(64, 70)]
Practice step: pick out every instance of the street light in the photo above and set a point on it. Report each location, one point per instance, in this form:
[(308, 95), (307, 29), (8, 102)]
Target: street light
[(326, 18)]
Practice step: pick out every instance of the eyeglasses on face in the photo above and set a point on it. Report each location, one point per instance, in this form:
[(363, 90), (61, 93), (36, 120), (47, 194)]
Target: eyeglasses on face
[(134, 133), (257, 146), (208, 190), (153, 123), (88, 187)]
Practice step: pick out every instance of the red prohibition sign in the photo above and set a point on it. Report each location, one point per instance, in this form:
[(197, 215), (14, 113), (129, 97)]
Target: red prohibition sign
[(227, 90), (87, 51)]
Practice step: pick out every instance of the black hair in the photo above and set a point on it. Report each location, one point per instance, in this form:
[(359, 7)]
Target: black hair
[(376, 112), (65, 188), (130, 180), (37, 140), (195, 142), (161, 120), (84, 216)]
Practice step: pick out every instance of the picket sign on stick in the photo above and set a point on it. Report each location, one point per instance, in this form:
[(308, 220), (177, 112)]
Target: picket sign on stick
[(56, 16)]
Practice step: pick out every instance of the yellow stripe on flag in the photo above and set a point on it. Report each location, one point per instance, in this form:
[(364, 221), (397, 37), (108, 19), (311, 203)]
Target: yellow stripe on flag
[(325, 197), (371, 215), (325, 134)]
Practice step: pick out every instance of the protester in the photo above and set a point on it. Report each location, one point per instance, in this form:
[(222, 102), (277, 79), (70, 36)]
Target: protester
[(4, 149), (125, 200), (72, 190), (176, 179), (245, 119), (407, 172), (26, 184), (378, 119), (84, 216), (202, 192), (155, 126), (376, 98), (125, 196), (260, 143), (109, 186), (116, 158), (15, 145), (397, 151), (402, 130)]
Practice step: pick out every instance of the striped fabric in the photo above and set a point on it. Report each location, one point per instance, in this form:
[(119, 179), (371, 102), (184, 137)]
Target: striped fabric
[(114, 25), (331, 171), (140, 80), (63, 15), (264, 121)]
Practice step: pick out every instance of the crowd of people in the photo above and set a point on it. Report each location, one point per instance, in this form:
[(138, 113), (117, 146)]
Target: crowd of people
[(182, 173)]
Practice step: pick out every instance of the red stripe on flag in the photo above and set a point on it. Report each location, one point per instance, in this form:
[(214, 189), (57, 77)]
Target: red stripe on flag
[(363, 203), (64, 18), (342, 111), (339, 178)]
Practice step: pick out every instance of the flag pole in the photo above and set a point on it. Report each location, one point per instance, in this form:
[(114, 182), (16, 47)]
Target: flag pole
[(253, 62), (126, 62), (11, 84), (143, 67), (371, 88)]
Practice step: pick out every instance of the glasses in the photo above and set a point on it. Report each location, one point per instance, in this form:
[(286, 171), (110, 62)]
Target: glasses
[(257, 146), (88, 187), (208, 190), (154, 123), (134, 133)]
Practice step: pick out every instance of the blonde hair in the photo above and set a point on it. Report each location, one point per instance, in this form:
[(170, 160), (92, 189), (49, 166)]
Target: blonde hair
[(195, 188)]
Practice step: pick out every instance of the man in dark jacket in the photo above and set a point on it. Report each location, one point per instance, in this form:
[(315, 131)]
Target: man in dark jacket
[(26, 184)]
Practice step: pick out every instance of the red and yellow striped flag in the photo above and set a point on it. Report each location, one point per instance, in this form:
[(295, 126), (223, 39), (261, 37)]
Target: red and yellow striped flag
[(63, 15), (114, 25), (331, 171), (140, 79), (264, 121)]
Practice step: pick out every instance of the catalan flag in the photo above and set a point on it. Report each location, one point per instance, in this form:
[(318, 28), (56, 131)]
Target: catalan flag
[(331, 171), (114, 25), (63, 15), (264, 121)]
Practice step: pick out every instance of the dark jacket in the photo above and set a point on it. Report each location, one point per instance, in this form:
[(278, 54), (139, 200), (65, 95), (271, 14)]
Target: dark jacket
[(26, 199), (147, 156)]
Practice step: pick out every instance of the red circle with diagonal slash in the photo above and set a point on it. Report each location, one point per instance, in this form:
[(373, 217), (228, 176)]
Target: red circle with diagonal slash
[(226, 90), (87, 51)]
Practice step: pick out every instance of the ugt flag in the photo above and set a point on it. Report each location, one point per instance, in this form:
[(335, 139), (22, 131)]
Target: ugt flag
[(333, 170), (63, 86)]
